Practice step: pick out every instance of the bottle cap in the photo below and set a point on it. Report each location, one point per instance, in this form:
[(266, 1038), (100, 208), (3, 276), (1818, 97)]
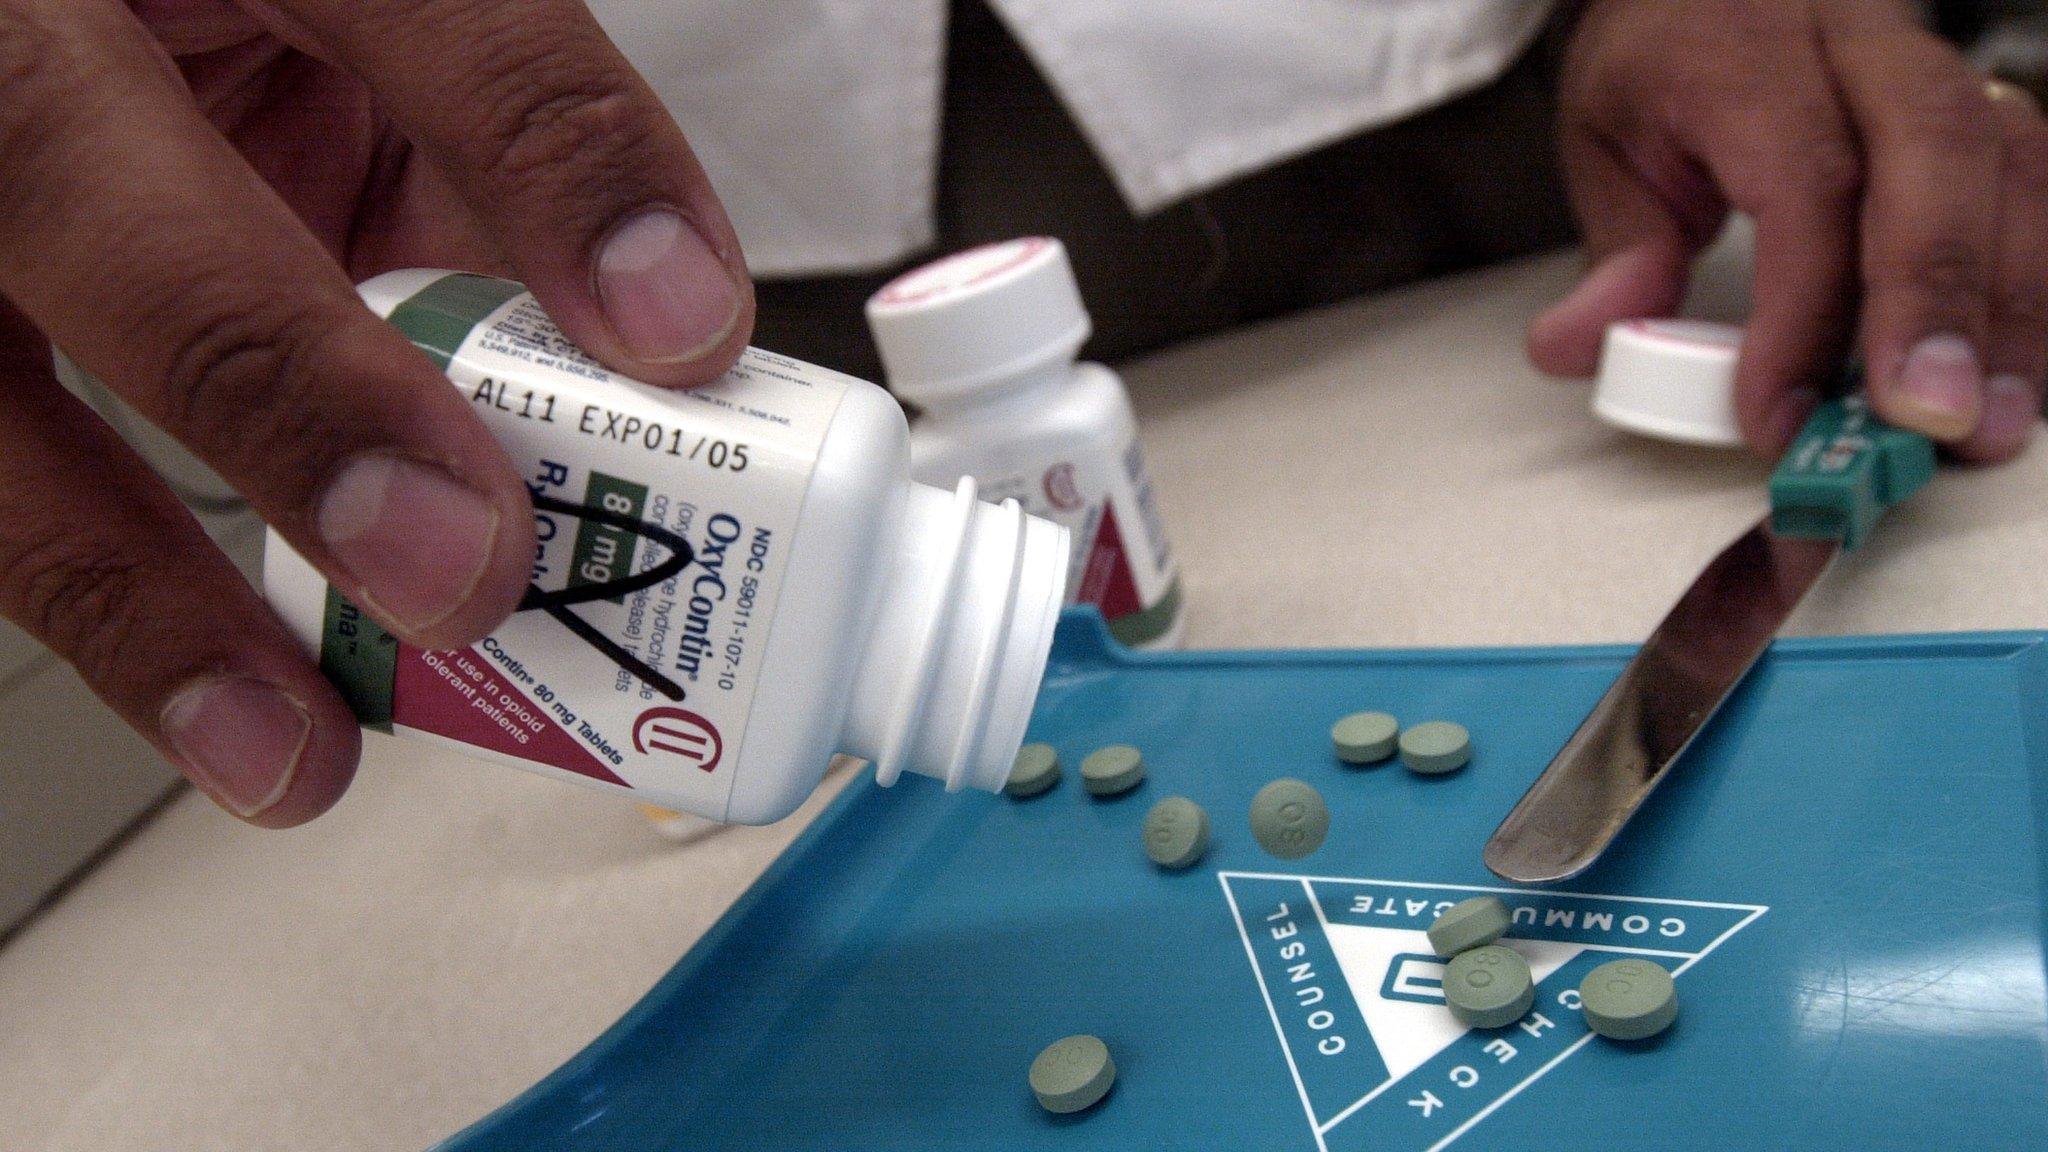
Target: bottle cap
[(1672, 379), (976, 318)]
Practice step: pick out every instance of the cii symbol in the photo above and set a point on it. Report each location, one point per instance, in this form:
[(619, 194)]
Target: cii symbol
[(681, 733)]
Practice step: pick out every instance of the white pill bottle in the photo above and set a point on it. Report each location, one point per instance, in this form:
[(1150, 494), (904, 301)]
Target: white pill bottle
[(732, 584), (984, 341)]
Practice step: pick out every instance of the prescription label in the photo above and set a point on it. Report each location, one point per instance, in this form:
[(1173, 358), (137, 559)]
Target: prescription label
[(664, 521), (1121, 561), (1355, 994)]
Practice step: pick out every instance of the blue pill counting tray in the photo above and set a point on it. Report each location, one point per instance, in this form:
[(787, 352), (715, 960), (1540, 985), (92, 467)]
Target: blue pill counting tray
[(1846, 875)]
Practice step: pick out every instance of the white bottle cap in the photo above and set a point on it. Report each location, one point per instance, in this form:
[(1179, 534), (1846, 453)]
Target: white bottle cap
[(1672, 379), (977, 317)]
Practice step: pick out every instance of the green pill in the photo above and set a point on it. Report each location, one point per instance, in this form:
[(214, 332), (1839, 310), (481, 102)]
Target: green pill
[(1176, 832), (1489, 987), (1469, 924), (1629, 999), (1365, 737), (1037, 769), (1072, 1074), (1289, 819), (1436, 747), (1108, 771)]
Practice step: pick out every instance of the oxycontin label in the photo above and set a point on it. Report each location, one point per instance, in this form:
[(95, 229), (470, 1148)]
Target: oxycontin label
[(1121, 562), (665, 522)]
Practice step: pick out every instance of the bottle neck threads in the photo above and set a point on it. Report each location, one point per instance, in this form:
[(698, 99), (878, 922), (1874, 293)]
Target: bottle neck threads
[(959, 641)]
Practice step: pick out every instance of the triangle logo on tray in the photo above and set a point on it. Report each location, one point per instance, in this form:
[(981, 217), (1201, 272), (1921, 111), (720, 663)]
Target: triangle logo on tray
[(1356, 995)]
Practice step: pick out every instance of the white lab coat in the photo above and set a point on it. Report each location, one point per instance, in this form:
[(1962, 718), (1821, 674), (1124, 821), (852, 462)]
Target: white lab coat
[(818, 120)]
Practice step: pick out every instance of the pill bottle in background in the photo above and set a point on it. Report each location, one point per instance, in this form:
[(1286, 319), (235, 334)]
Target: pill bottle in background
[(731, 585), (984, 342)]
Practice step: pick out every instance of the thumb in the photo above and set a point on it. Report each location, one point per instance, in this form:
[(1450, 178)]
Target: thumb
[(1639, 253)]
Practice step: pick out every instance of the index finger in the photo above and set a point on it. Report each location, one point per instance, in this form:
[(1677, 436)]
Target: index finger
[(571, 161), (1779, 145), (1930, 217), (135, 239)]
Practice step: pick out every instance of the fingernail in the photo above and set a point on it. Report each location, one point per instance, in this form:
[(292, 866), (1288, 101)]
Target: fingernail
[(241, 739), (2011, 410), (417, 539), (667, 295), (1939, 387)]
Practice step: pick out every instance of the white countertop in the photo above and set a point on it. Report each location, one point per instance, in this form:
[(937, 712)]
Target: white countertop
[(1388, 473)]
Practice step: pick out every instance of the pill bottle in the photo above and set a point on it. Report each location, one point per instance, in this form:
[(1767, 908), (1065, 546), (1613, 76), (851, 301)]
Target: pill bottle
[(984, 342), (732, 583)]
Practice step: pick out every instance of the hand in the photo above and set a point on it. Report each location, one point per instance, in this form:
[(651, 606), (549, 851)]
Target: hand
[(1891, 186), (188, 189)]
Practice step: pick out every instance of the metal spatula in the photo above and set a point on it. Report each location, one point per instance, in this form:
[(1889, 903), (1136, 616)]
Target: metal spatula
[(1843, 471)]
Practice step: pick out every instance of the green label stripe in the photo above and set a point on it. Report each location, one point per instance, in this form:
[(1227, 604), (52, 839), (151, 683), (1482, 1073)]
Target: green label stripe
[(358, 656), (1151, 623), (361, 659), (441, 316), (605, 553)]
